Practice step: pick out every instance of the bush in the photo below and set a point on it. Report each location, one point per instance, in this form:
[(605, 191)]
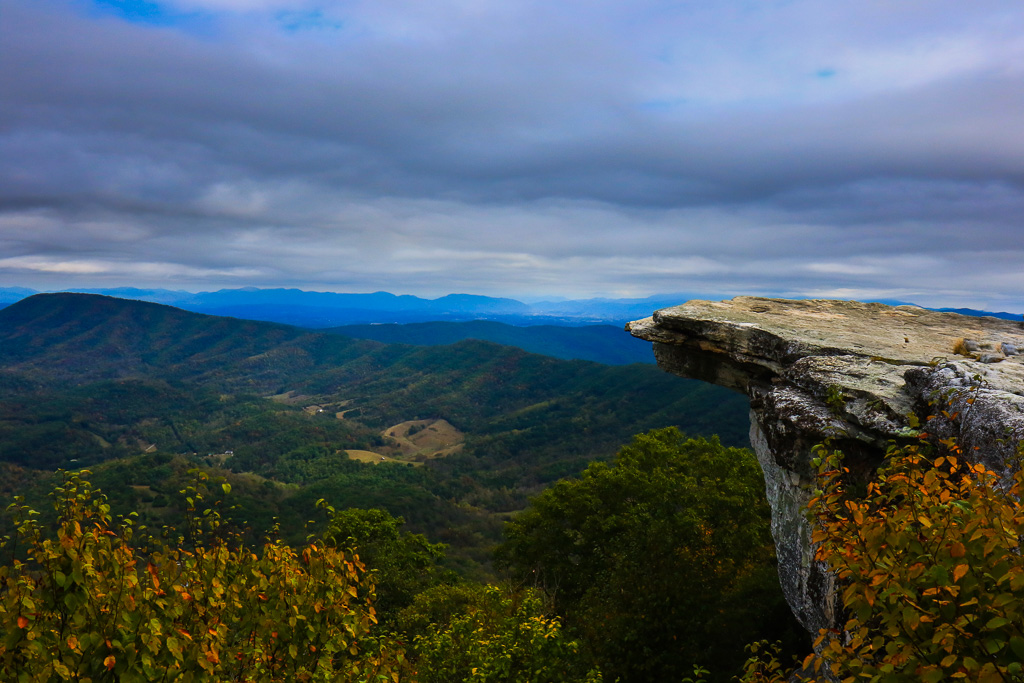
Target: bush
[(503, 637), (91, 603), (931, 568)]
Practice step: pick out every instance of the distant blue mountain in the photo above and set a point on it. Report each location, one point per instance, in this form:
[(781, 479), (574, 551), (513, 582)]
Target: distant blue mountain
[(329, 309), (610, 310), (606, 344), (9, 295), (971, 311), (962, 311)]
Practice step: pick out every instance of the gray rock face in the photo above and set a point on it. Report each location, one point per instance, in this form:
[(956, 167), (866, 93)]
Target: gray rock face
[(852, 372)]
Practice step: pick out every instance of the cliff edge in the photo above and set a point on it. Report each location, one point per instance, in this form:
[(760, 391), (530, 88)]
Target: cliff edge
[(854, 373)]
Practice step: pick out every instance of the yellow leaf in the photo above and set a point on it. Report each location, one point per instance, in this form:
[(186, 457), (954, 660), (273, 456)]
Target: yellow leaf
[(959, 571)]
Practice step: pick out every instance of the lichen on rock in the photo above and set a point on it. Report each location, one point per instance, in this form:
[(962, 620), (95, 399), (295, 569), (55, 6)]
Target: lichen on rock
[(852, 373)]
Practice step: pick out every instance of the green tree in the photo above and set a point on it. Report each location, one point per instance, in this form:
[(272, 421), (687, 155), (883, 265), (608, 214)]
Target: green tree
[(663, 559), (403, 564)]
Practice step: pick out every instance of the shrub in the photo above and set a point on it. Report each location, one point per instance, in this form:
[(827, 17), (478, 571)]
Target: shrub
[(92, 603), (931, 570), (503, 637)]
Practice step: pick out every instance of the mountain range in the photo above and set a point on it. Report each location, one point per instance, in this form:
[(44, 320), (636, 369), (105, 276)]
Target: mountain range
[(330, 309)]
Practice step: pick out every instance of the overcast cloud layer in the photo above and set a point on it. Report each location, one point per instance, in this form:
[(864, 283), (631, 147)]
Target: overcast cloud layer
[(850, 148)]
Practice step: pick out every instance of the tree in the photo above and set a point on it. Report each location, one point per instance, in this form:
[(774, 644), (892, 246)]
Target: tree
[(662, 560), (403, 564)]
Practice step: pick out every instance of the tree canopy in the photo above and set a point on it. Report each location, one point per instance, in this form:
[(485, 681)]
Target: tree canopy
[(662, 559), (403, 564)]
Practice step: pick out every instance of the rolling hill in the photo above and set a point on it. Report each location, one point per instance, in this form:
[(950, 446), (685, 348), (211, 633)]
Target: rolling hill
[(143, 391)]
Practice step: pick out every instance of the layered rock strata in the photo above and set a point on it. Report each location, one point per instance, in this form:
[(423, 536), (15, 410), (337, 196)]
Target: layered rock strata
[(849, 372)]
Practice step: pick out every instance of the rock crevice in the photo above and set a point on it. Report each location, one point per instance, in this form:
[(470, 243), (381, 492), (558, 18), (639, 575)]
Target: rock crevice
[(853, 373)]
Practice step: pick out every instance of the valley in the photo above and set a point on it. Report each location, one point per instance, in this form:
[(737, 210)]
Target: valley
[(452, 437)]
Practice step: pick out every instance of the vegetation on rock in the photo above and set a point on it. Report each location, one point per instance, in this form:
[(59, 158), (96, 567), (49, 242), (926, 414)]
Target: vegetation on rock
[(931, 570)]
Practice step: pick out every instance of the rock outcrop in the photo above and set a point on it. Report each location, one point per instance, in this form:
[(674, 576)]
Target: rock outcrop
[(853, 373)]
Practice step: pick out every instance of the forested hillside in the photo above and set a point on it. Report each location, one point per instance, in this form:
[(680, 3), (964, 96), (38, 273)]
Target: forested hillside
[(142, 392), (600, 343)]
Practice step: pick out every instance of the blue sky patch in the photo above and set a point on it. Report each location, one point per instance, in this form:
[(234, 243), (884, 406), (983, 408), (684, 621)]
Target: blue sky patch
[(306, 21), (146, 12)]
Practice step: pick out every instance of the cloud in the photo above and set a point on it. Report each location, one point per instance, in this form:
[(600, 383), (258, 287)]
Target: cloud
[(518, 148)]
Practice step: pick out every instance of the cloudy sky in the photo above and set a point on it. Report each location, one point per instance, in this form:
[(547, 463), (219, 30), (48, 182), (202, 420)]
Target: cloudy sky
[(850, 148)]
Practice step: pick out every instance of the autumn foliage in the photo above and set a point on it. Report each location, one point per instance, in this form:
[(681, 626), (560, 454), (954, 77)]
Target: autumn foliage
[(95, 603), (931, 571)]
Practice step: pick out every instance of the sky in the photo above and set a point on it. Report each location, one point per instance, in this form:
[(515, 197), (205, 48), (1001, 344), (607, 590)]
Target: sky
[(806, 148)]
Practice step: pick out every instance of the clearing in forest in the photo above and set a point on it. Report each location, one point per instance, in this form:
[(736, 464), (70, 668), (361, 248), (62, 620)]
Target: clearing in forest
[(367, 456), (419, 440)]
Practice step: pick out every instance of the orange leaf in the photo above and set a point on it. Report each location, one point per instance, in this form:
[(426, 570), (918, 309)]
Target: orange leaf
[(959, 571), (957, 549), (109, 663), (22, 622)]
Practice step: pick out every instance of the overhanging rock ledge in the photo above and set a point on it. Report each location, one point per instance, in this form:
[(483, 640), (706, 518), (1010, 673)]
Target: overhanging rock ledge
[(852, 372)]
